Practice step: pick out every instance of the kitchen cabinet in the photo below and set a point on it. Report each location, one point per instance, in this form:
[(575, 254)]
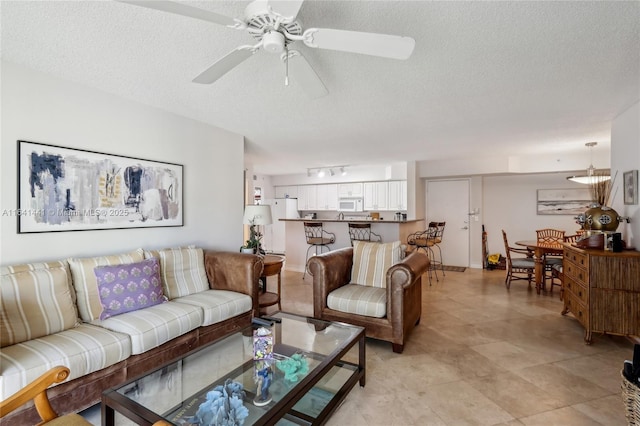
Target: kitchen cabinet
[(307, 197), (398, 195), (327, 197), (350, 190), (376, 196), (286, 191), (602, 290)]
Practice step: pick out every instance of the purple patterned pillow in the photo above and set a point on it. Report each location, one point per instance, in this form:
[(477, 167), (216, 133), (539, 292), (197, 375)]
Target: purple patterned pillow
[(129, 287)]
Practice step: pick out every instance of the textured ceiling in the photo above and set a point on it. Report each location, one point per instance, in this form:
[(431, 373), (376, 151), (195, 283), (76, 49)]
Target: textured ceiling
[(508, 77)]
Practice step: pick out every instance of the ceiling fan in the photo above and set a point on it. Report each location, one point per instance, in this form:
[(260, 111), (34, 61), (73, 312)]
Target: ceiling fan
[(273, 24)]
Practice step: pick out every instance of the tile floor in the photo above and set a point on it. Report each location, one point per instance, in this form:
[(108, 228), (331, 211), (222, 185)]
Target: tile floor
[(483, 355)]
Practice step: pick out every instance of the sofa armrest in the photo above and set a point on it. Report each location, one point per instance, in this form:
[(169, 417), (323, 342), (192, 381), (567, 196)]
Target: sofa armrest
[(401, 277), (235, 272), (330, 271)]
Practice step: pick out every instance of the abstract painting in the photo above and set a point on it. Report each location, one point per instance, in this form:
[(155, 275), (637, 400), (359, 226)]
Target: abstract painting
[(630, 186), (572, 201), (66, 189)]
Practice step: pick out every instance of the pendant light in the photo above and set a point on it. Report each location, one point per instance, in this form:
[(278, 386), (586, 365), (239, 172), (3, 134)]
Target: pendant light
[(591, 176)]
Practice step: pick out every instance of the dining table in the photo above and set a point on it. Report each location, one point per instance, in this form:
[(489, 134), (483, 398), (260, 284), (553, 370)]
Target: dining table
[(539, 250)]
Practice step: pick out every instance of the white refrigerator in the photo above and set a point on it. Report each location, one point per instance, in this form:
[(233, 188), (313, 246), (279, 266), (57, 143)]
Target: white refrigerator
[(274, 234)]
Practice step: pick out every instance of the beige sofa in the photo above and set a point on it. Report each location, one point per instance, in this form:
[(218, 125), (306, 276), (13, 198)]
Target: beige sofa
[(51, 315)]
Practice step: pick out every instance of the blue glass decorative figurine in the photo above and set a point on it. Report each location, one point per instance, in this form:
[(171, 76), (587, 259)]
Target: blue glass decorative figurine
[(263, 378)]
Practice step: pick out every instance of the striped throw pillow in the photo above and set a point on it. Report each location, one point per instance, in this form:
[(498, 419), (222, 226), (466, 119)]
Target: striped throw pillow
[(372, 260), (36, 300), (86, 285), (182, 270)]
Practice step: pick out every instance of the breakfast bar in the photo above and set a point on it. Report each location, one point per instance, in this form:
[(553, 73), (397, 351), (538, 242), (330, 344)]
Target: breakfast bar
[(389, 230)]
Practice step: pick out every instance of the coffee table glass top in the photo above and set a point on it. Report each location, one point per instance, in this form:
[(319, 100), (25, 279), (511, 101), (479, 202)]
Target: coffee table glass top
[(178, 391)]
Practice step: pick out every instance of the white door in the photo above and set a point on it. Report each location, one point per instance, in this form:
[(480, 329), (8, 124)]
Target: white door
[(448, 201)]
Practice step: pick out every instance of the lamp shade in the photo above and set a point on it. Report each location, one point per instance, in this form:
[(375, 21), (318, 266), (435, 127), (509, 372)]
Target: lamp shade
[(257, 215)]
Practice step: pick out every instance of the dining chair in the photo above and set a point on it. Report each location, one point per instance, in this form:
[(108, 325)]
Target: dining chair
[(518, 268), (550, 236)]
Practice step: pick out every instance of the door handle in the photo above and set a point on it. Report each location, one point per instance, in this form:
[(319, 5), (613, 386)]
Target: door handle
[(465, 227)]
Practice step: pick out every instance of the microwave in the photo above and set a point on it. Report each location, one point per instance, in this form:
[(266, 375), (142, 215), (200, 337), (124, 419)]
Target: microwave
[(350, 205)]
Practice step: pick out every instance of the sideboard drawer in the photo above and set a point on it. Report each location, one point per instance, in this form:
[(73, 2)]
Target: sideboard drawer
[(571, 269), (577, 309), (577, 289), (580, 259)]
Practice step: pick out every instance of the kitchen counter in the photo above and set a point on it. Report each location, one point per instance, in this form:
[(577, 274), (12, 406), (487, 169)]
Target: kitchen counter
[(354, 220), (296, 243)]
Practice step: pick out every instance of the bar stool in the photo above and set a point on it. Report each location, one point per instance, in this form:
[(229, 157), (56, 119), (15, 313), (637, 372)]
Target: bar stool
[(425, 240), (316, 237), (362, 232), (435, 240)]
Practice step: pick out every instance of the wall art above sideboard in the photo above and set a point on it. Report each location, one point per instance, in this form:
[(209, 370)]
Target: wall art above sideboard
[(571, 201), (67, 189)]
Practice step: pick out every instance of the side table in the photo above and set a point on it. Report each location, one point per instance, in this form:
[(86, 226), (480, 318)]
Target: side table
[(272, 266)]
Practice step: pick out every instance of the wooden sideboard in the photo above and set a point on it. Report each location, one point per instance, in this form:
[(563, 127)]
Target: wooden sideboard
[(602, 290)]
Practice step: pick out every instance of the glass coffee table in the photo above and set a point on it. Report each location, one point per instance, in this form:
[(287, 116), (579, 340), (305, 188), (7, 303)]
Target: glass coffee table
[(315, 364)]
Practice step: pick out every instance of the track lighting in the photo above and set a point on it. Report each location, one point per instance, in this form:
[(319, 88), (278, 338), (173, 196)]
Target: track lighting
[(322, 171)]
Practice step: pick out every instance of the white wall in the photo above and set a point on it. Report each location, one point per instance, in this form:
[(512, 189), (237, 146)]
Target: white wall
[(40, 108), (509, 203), (625, 156)]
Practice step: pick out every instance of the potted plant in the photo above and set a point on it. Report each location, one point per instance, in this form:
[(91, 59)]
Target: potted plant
[(252, 245)]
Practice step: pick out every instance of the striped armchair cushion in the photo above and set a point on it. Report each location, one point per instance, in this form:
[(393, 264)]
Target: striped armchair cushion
[(360, 300), (86, 285), (36, 300), (84, 349), (182, 271), (218, 305), (372, 260)]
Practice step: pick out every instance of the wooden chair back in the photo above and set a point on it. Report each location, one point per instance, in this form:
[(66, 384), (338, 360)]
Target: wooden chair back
[(550, 236)]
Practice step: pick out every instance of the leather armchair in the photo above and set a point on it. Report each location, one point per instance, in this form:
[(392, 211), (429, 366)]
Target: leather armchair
[(403, 294)]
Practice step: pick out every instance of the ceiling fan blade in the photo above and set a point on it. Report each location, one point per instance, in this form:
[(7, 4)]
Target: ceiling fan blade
[(184, 10), (224, 65), (302, 72), (387, 46), (286, 8)]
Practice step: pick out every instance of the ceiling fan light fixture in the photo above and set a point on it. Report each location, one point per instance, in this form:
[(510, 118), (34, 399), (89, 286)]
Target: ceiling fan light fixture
[(273, 42)]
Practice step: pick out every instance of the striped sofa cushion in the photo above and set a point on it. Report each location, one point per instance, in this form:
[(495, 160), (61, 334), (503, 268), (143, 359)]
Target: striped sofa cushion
[(84, 349), (372, 260), (218, 305), (359, 299), (151, 327), (36, 300), (182, 270), (85, 284)]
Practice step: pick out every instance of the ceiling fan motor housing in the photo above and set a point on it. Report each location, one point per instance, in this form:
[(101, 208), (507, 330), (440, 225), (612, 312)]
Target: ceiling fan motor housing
[(273, 42)]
